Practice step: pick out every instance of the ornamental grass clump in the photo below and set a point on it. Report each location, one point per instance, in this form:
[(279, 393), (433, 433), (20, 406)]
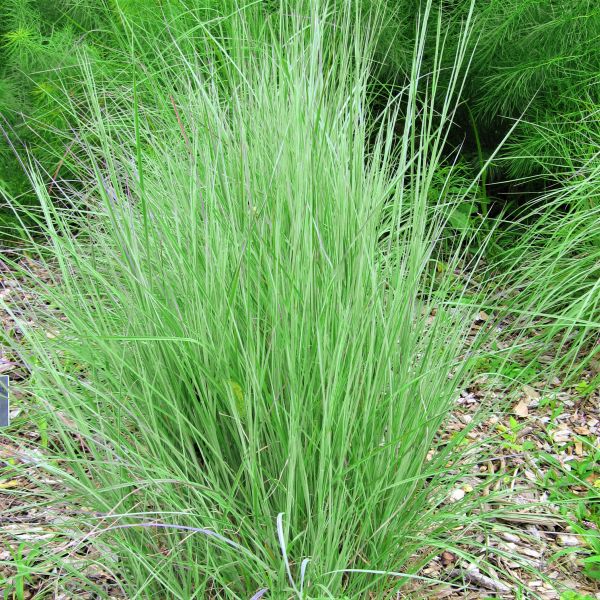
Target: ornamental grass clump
[(246, 350)]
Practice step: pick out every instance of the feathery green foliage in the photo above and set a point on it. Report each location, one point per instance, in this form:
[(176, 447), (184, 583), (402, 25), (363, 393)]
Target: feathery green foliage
[(42, 48)]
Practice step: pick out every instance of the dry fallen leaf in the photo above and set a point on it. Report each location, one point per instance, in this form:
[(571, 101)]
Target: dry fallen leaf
[(457, 494), (521, 409), (581, 430), (561, 436), (6, 366), (531, 392), (11, 483), (571, 541)]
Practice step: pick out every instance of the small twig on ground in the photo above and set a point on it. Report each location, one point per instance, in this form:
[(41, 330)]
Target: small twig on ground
[(474, 576)]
